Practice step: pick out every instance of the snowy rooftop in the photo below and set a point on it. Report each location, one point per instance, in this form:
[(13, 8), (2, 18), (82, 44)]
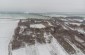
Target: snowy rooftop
[(37, 26)]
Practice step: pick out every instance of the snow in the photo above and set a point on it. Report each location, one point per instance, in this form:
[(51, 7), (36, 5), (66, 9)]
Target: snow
[(55, 15), (80, 30), (6, 31), (78, 39), (5, 17), (24, 20), (78, 51), (19, 52), (37, 26), (49, 24), (58, 48), (64, 27), (43, 50), (22, 29), (76, 24), (47, 37), (79, 20), (64, 19), (53, 48)]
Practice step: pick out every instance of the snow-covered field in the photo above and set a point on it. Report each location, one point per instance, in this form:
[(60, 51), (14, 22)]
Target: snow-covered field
[(42, 49), (6, 31), (67, 35)]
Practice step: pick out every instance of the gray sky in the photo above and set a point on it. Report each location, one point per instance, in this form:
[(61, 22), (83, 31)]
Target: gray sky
[(43, 5)]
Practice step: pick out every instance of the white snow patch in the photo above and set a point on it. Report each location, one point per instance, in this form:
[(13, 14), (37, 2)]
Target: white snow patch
[(48, 37), (76, 24), (43, 50), (78, 51), (22, 29), (58, 48), (49, 24), (21, 51), (25, 20), (78, 39), (80, 30), (64, 27), (64, 19), (37, 26), (79, 20), (31, 50)]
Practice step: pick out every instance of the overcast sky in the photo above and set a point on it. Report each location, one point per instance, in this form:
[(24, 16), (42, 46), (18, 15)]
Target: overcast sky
[(43, 5)]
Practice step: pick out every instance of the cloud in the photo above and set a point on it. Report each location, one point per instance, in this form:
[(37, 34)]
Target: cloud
[(43, 5)]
